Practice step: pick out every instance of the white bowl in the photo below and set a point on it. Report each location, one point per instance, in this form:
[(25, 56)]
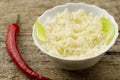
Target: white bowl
[(76, 64)]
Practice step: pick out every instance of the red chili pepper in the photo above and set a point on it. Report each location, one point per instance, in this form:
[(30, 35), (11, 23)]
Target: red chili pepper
[(11, 45)]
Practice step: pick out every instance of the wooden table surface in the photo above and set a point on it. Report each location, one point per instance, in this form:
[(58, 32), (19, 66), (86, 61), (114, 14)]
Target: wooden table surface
[(106, 69)]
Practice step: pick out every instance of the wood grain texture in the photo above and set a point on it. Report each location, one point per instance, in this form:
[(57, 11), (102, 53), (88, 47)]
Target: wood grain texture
[(107, 69)]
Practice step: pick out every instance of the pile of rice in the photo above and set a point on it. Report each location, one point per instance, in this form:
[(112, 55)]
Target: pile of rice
[(74, 34)]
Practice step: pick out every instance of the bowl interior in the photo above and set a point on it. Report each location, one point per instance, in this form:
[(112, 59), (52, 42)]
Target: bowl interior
[(73, 7)]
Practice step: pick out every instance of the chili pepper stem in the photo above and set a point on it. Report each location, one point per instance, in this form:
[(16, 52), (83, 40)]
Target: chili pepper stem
[(18, 19)]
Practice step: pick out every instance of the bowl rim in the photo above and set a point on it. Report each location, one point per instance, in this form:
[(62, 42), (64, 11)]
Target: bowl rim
[(86, 58)]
